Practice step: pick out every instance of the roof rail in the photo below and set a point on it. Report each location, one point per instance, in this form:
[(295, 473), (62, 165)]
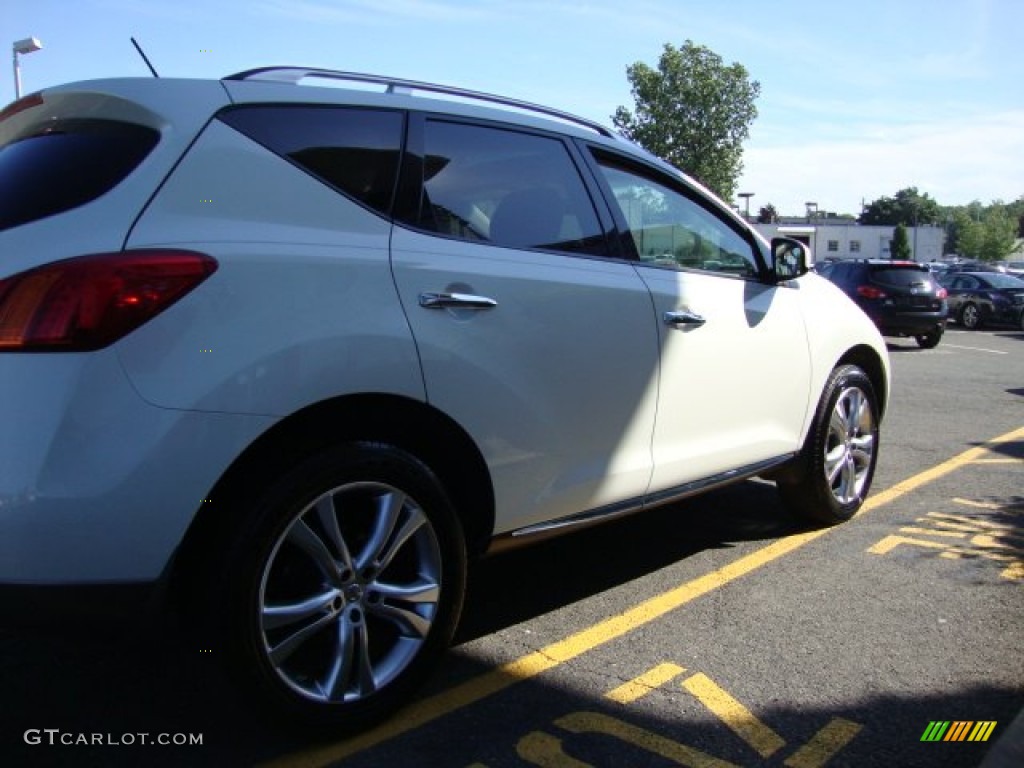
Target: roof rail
[(396, 85)]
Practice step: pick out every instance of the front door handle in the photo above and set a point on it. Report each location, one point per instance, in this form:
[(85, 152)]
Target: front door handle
[(684, 319), (456, 301)]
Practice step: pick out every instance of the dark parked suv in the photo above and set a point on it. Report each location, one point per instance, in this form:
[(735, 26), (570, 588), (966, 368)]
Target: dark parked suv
[(902, 297)]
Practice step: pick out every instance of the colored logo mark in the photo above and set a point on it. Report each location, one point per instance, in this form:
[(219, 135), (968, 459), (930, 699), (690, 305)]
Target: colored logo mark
[(958, 730)]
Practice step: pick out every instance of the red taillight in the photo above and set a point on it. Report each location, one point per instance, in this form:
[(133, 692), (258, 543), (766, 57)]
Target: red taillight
[(90, 302), (941, 293), (870, 292)]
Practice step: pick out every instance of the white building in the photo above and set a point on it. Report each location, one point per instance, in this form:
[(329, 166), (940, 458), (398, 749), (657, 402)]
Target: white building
[(845, 239)]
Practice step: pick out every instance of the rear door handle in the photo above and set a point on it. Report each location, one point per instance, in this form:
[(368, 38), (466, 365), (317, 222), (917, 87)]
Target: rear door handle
[(684, 318), (456, 300)]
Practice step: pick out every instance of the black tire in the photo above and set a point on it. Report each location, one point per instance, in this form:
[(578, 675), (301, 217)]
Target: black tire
[(833, 472), (970, 316), (344, 588), (929, 340)]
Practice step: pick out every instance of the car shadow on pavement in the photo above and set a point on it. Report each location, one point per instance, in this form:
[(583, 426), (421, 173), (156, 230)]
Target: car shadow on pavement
[(512, 587), (115, 681)]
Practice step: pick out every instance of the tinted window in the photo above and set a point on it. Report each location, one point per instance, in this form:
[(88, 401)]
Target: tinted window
[(59, 164), (902, 277), (354, 150), (670, 229), (996, 280), (508, 188), (966, 284)]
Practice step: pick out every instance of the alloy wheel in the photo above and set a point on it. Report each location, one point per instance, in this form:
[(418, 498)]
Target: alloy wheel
[(349, 592), (849, 446)]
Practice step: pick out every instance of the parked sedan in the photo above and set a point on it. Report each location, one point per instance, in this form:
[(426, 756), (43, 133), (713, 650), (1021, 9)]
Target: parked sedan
[(980, 298)]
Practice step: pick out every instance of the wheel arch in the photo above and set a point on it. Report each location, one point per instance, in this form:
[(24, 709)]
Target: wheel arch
[(868, 360), (413, 426)]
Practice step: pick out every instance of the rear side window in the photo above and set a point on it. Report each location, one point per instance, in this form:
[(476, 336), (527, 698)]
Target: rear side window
[(356, 151), (511, 189), (59, 164)]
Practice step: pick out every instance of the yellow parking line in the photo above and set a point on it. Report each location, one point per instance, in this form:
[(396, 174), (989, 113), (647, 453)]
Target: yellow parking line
[(680, 754), (429, 709), (640, 686), (824, 745), (738, 718)]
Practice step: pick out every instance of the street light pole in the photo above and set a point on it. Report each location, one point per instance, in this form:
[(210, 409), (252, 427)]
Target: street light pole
[(28, 45), (746, 197)]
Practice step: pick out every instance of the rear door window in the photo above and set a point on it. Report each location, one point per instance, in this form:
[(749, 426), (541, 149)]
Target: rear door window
[(507, 188), (54, 165)]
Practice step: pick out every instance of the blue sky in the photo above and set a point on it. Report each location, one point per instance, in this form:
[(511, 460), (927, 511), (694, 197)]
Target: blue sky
[(858, 99)]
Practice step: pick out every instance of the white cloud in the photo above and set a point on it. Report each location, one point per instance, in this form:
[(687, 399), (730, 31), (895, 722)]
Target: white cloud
[(955, 160)]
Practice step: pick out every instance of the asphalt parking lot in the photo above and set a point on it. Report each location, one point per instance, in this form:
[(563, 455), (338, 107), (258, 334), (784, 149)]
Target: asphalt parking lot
[(718, 632)]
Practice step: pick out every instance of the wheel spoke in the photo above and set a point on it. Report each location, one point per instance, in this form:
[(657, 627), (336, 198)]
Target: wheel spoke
[(409, 622), (863, 447), (389, 509), (351, 670), (425, 591), (837, 424), (328, 517), (848, 479), (279, 653), (333, 686), (283, 614), (414, 520), (303, 537), (834, 462), (856, 414), (364, 679)]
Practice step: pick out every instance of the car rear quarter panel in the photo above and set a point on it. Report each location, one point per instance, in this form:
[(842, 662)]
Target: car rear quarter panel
[(95, 484), (302, 307)]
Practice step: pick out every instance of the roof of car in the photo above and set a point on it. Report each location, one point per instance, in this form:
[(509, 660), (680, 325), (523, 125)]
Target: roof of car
[(295, 75), (884, 263)]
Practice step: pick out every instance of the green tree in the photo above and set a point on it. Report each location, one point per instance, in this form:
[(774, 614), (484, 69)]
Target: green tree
[(1000, 235), (909, 207), (694, 112), (767, 214), (900, 244), (984, 234)]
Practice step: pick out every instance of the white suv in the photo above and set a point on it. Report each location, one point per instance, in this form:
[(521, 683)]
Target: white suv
[(297, 352)]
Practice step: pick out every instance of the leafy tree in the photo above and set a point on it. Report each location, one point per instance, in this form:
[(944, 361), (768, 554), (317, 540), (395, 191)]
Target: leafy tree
[(968, 233), (1015, 211), (900, 244), (767, 214), (694, 112), (1000, 235), (909, 207), (984, 234)]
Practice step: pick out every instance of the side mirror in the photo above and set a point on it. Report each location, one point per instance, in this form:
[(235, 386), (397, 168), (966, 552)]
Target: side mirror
[(789, 258)]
